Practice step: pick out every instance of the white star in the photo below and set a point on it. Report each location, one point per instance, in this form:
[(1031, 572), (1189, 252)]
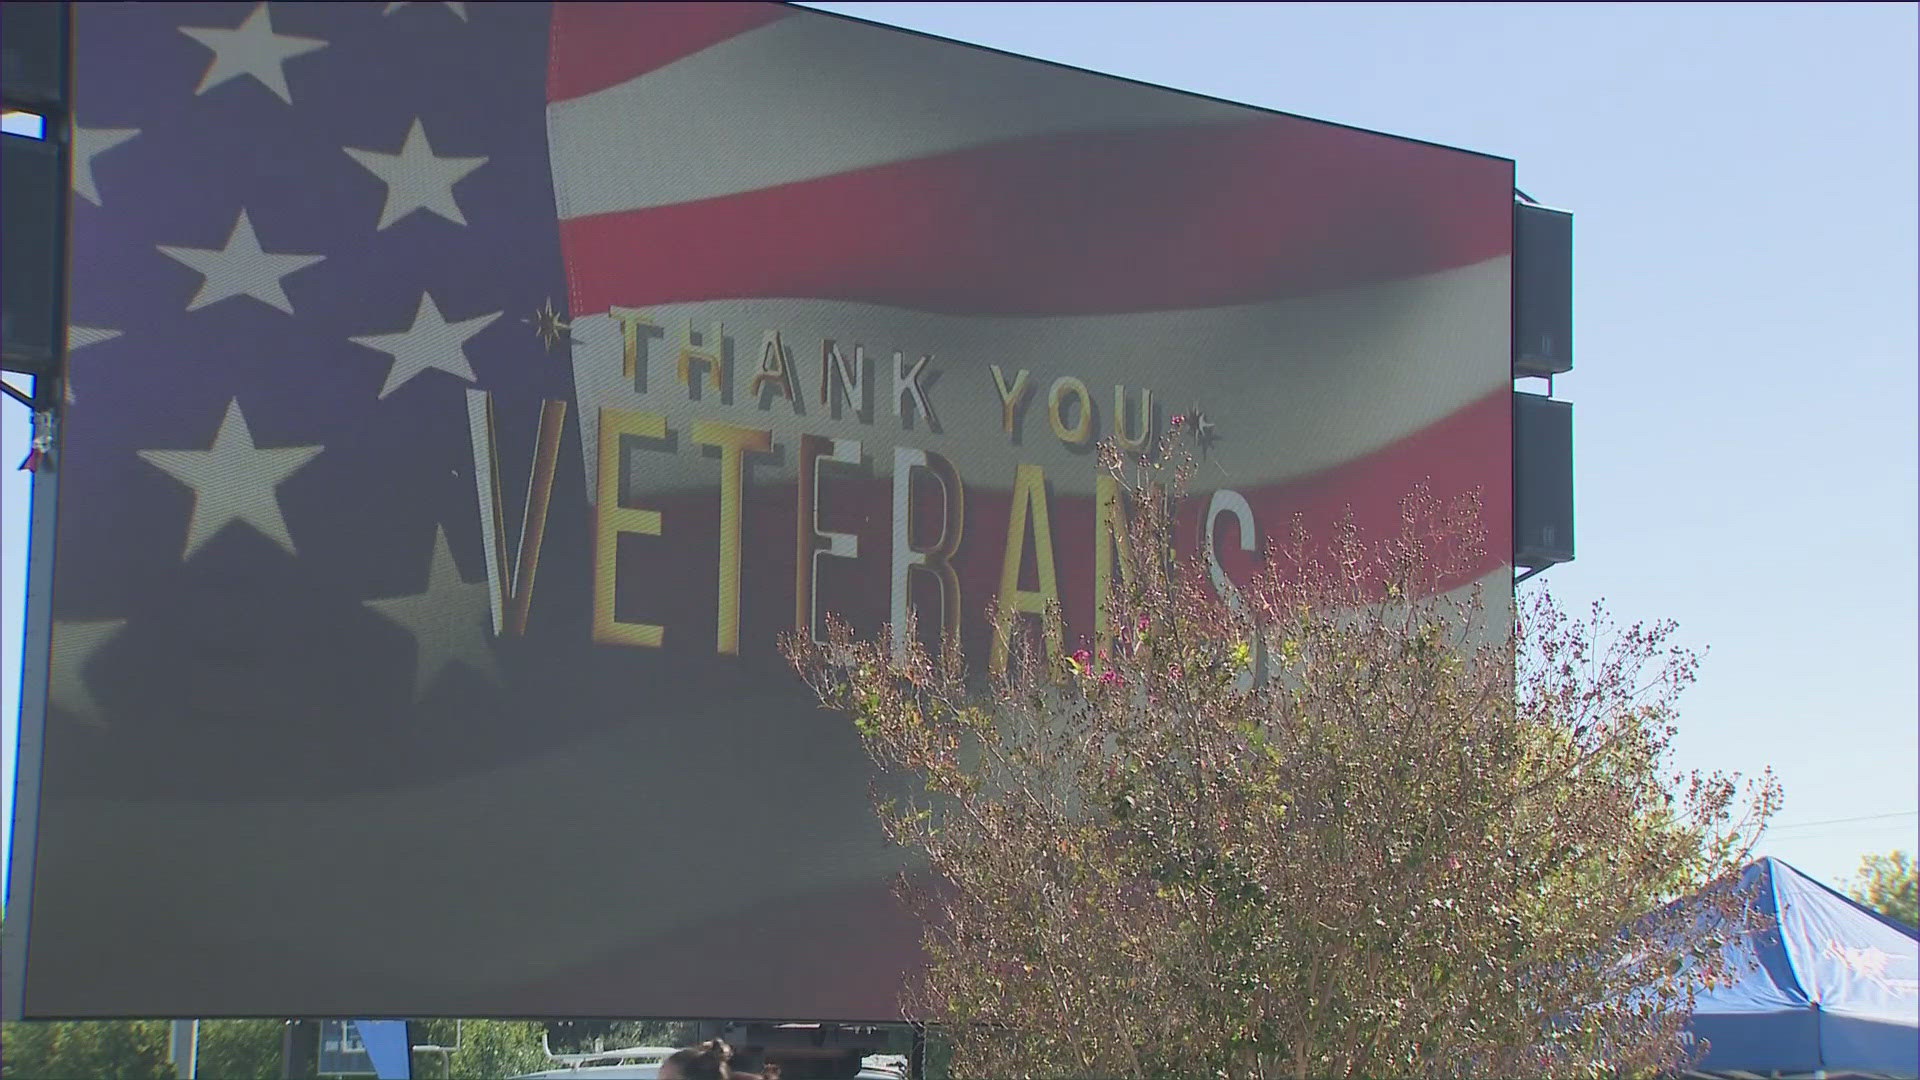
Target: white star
[(431, 342), (448, 622), (79, 337), (252, 49), (74, 646), (240, 268), (454, 6), (89, 143), (233, 480), (416, 179)]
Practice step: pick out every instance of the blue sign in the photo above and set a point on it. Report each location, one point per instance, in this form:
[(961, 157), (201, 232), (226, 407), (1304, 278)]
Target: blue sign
[(386, 1044)]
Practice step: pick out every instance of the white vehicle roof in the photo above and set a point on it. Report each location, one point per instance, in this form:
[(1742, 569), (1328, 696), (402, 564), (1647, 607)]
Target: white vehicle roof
[(643, 1063)]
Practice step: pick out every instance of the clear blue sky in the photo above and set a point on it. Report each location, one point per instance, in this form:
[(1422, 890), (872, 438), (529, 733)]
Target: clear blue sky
[(1745, 184)]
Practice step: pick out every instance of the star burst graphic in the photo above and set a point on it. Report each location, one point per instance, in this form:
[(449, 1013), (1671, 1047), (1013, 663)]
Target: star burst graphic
[(1205, 432), (553, 329)]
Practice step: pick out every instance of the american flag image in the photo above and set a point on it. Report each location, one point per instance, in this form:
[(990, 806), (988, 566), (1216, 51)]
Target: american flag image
[(349, 715)]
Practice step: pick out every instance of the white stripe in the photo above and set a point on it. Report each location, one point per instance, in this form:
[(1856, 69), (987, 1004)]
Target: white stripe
[(809, 96), (417, 843), (1295, 386), (414, 846)]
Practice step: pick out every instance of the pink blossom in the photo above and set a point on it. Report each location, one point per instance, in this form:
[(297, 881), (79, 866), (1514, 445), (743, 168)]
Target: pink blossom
[(1143, 622), (1178, 420), (1110, 677), (1173, 671), (1082, 658)]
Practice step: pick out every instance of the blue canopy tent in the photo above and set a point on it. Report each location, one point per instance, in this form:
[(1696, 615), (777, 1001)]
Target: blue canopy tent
[(1830, 990)]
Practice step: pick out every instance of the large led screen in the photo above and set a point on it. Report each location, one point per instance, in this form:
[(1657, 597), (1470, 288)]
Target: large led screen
[(465, 397)]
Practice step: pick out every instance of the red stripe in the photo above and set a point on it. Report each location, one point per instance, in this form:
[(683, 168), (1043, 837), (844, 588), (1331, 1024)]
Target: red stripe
[(597, 45), (1069, 224), (1469, 451)]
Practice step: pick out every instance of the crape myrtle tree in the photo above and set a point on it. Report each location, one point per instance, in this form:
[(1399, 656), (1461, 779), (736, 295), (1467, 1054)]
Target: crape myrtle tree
[(1343, 823)]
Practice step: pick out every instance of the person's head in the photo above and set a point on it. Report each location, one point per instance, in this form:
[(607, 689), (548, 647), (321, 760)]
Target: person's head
[(708, 1061)]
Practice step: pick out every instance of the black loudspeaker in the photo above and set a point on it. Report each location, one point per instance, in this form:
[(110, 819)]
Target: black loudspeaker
[(32, 186), (33, 54), (1542, 481), (1542, 290)]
